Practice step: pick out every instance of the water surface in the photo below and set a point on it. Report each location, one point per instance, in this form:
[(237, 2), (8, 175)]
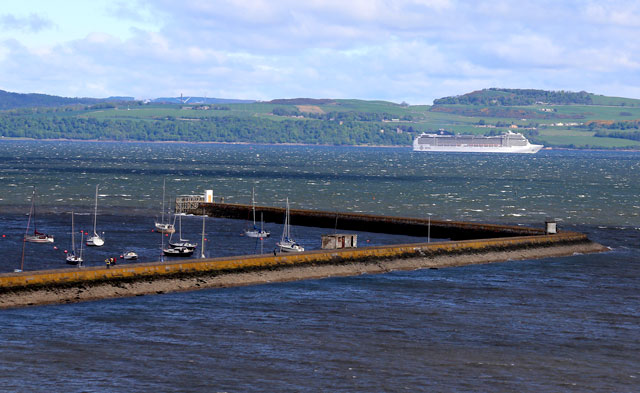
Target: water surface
[(559, 324)]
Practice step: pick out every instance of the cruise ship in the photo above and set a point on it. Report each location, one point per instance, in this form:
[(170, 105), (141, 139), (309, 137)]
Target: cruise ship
[(506, 143)]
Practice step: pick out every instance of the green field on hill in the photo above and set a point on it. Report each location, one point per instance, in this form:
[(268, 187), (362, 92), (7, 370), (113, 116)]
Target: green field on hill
[(555, 119)]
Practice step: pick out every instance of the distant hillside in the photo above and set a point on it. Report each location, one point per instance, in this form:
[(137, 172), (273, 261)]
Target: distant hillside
[(10, 100), (302, 101), (510, 97), (199, 100), (554, 119), (119, 99)]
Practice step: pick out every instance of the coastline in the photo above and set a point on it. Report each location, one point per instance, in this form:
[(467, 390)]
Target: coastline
[(275, 144), (197, 143), (146, 286)]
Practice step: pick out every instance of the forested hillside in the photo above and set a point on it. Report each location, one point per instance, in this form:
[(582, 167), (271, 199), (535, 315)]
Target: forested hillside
[(512, 97), (10, 100), (214, 129), (554, 119)]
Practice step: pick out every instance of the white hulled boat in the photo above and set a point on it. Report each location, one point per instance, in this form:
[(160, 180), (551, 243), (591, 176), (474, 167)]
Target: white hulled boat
[(286, 243), (74, 258), (95, 240), (182, 242), (255, 232), (37, 237), (129, 255), (164, 227)]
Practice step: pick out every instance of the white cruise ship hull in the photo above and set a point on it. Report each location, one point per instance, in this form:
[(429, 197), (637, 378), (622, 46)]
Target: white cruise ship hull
[(471, 149), (505, 143)]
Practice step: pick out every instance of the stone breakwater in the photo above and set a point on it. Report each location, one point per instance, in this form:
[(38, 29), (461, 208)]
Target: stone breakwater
[(74, 285)]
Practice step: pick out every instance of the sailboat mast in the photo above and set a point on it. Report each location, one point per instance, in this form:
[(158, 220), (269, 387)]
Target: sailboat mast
[(261, 233), (26, 232), (32, 213), (24, 244), (202, 247), (253, 205), (286, 221), (174, 225), (164, 180), (73, 235), (95, 212)]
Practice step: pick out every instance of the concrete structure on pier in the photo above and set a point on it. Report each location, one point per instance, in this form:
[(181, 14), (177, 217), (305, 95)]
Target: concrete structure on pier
[(338, 241), (440, 229)]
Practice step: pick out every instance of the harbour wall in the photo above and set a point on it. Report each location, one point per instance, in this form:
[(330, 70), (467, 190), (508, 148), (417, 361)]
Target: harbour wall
[(439, 229), (91, 283)]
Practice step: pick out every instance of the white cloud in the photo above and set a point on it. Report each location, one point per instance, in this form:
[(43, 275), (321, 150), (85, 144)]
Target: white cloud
[(412, 50), (622, 14), (529, 50), (31, 23)]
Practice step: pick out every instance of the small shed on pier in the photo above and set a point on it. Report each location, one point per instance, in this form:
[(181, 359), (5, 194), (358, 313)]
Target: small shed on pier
[(339, 240)]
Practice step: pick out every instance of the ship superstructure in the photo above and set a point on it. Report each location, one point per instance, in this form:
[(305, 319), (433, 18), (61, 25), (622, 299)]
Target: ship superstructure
[(510, 142)]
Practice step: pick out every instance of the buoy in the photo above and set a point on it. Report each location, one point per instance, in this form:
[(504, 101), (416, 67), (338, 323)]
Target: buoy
[(55, 247), (65, 251), (4, 235)]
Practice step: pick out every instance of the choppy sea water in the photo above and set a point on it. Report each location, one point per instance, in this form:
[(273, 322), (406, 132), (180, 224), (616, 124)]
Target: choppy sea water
[(560, 324)]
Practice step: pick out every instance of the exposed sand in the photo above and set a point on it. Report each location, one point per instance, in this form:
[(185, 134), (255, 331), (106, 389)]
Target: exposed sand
[(146, 286)]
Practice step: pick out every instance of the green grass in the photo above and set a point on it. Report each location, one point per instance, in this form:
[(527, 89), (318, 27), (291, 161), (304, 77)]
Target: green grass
[(619, 101), (584, 113), (423, 118), (582, 139)]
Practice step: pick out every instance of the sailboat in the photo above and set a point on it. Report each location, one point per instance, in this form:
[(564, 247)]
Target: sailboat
[(178, 251), (164, 227), (182, 242), (72, 258), (255, 232), (287, 244), (37, 237), (95, 240)]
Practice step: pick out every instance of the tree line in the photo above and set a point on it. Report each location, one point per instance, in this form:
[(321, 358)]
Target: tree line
[(217, 129), (495, 96), (341, 116)]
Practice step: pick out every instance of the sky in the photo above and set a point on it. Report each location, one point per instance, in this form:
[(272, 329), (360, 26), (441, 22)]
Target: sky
[(405, 50)]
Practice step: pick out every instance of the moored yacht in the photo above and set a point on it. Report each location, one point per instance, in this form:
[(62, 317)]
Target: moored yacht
[(286, 243)]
